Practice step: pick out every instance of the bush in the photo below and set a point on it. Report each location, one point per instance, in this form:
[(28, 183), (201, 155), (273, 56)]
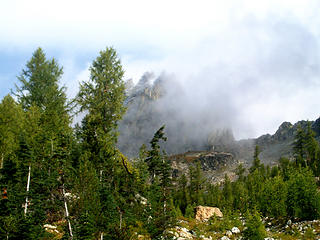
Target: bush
[(255, 229), (189, 211), (303, 199), (274, 197)]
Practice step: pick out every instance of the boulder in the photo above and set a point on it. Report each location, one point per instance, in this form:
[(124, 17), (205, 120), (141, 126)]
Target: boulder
[(183, 233), (204, 213), (178, 233), (48, 226), (235, 230), (225, 238), (229, 233)]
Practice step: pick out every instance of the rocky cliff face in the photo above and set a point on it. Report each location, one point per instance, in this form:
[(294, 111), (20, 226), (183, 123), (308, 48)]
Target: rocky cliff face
[(213, 164), (280, 144), (148, 110)]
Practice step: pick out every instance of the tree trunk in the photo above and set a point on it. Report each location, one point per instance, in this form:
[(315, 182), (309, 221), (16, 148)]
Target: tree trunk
[(101, 236), (101, 171), (28, 185), (67, 212), (120, 220), (1, 166)]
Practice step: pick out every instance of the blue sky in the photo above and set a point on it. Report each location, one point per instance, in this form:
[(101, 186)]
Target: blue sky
[(261, 58)]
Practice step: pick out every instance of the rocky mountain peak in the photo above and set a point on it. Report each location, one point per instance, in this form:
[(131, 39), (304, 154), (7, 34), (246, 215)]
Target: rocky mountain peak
[(284, 132)]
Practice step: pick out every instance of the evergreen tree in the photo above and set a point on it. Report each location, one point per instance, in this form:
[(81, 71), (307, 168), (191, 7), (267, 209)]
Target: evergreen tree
[(161, 178), (227, 193), (303, 199), (240, 171), (155, 158), (182, 196), (256, 160), (299, 146), (312, 150), (240, 196), (196, 184), (255, 184), (102, 98), (46, 139), (11, 125), (274, 197), (255, 229), (86, 206)]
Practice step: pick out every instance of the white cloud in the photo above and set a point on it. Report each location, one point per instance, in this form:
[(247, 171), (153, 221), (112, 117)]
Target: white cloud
[(264, 55)]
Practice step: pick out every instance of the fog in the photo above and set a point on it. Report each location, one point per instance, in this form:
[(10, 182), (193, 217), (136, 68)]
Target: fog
[(242, 65), (250, 79)]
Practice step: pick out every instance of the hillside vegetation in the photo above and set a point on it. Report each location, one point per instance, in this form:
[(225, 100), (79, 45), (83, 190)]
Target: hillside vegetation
[(64, 182)]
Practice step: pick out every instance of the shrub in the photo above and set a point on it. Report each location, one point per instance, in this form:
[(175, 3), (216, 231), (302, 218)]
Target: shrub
[(255, 229)]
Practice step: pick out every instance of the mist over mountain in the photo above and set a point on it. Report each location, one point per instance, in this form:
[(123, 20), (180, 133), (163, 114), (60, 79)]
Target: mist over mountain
[(194, 119)]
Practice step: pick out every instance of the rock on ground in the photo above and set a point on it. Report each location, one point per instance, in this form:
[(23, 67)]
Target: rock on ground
[(204, 213)]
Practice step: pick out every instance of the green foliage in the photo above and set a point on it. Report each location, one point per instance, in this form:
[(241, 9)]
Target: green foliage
[(256, 160), (39, 83), (110, 196), (85, 227), (11, 125), (306, 148), (103, 96), (312, 150), (181, 195), (155, 158), (228, 221), (255, 184), (227, 193), (299, 146), (240, 171), (274, 197), (255, 229), (240, 196), (196, 185), (303, 200), (189, 211)]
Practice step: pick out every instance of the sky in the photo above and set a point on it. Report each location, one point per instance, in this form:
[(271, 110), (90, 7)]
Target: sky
[(256, 61)]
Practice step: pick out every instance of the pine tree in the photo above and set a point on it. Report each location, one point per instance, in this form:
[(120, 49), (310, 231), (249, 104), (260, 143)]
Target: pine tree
[(312, 150), (196, 185), (299, 146), (102, 98), (227, 193), (240, 171), (46, 139), (11, 124), (86, 206), (155, 158), (256, 160), (274, 197), (255, 229), (303, 199), (182, 196)]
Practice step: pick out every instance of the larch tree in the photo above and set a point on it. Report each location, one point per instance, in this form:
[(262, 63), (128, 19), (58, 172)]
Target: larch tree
[(48, 143), (11, 126), (102, 99)]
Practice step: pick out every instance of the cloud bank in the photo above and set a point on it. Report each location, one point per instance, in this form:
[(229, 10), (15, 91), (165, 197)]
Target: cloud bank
[(250, 65)]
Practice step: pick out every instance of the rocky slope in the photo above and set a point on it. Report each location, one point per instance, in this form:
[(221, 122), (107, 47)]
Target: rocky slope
[(214, 164), (190, 137), (280, 144)]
